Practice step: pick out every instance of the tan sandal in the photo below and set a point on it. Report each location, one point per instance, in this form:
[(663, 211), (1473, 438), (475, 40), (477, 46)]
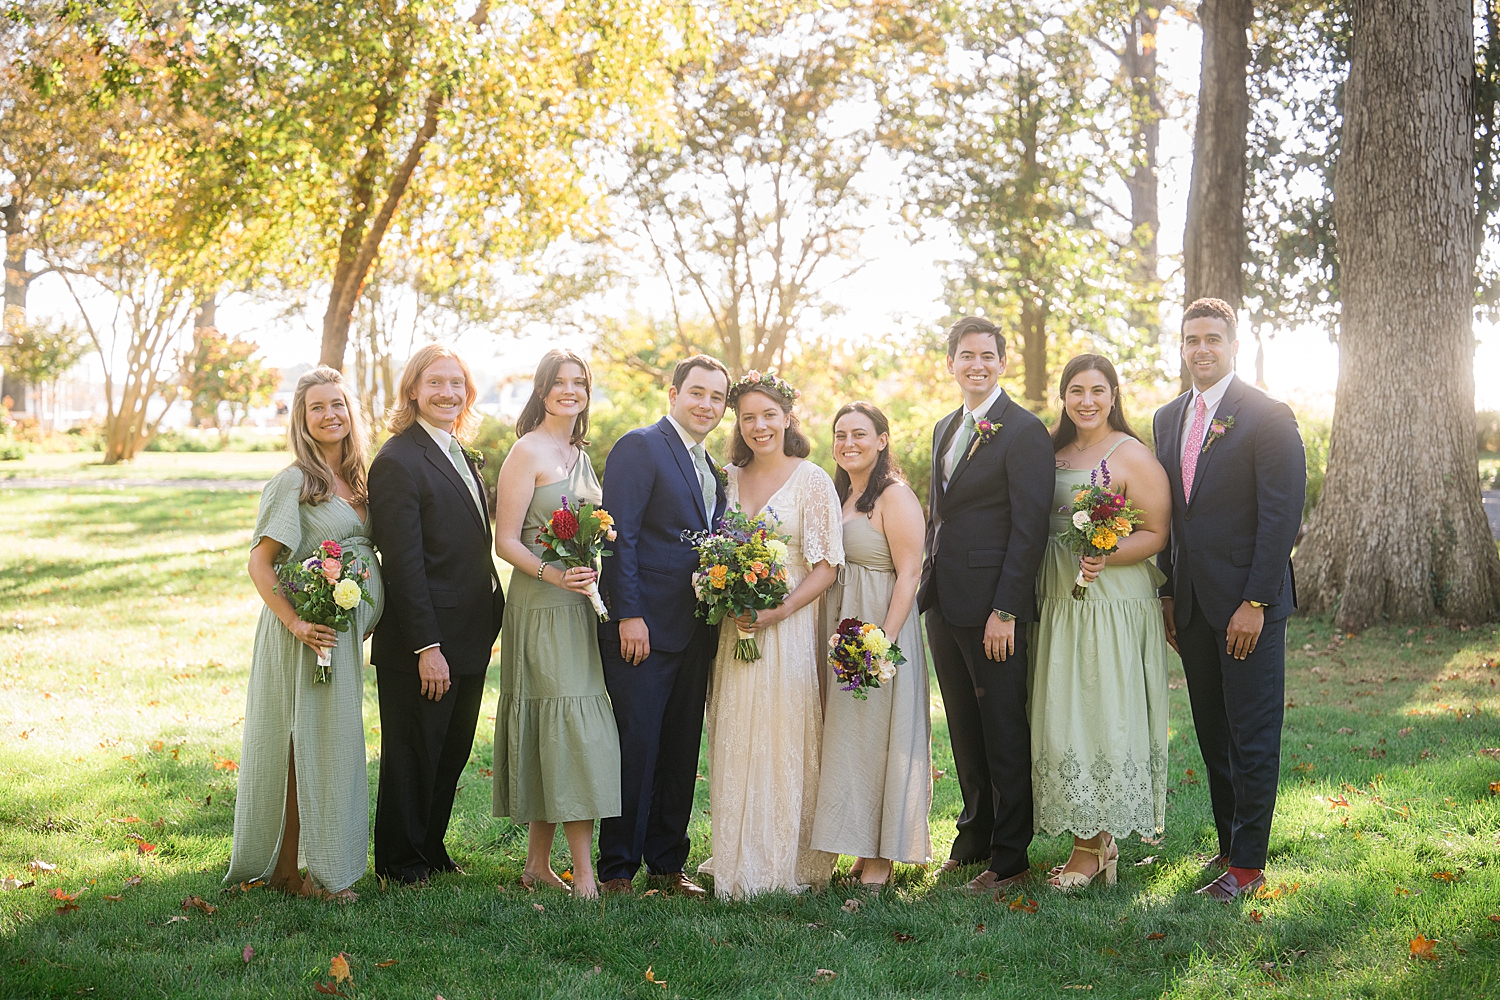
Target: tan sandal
[(1108, 865)]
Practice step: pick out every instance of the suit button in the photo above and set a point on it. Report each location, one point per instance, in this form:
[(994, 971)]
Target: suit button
[(1189, 516)]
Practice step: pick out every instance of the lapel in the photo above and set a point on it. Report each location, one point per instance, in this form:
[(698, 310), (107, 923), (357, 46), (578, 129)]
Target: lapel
[(1173, 439), (685, 466), (1228, 407), (944, 435), (440, 461), (993, 416)]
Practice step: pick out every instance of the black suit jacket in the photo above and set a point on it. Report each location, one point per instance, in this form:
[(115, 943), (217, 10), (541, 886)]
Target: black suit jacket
[(1232, 542), (435, 544), (987, 532), (651, 489)]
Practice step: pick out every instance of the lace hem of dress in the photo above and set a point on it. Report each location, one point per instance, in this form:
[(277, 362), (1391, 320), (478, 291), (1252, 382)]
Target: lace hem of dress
[(1110, 794)]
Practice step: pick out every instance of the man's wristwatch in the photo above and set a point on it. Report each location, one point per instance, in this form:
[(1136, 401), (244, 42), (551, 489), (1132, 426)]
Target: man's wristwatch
[(1004, 616), (1255, 604)]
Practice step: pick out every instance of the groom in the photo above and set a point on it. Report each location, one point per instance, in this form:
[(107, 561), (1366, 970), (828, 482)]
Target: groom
[(1235, 463), (658, 483), (989, 503)]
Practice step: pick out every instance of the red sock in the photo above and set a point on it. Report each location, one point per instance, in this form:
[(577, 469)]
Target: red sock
[(1244, 876)]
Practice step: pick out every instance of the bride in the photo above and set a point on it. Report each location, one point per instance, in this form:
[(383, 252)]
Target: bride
[(765, 716)]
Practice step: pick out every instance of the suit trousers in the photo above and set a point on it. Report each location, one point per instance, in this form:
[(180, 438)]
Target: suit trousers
[(1238, 707), (424, 745), (659, 705), (985, 701)]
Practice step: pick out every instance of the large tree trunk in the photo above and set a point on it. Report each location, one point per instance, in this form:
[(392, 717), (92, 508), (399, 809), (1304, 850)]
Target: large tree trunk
[(1399, 532), (1138, 66), (17, 282), (204, 318), (1213, 248)]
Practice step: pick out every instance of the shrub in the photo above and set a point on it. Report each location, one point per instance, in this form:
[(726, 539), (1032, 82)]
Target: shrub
[(182, 441)]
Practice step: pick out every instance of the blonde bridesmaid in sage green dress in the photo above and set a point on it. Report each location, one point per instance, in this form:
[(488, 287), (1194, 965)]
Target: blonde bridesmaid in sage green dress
[(557, 751), (1098, 691), (303, 786)]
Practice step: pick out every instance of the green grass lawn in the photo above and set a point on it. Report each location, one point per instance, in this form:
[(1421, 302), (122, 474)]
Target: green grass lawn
[(125, 626), (147, 465)]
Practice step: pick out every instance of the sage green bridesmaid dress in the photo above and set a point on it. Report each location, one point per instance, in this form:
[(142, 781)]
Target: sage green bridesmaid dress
[(285, 708), (1098, 692), (875, 785), (557, 751)]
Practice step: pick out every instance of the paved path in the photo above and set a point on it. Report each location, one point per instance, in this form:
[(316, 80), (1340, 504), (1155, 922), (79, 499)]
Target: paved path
[(241, 485), (1492, 508)]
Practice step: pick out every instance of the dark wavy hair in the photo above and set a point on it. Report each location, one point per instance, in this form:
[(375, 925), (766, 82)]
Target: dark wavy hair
[(793, 442), (1066, 432), (885, 472), (535, 410)]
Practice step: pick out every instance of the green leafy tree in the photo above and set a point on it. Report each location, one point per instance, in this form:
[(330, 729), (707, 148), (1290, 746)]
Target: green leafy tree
[(222, 371), (998, 128), (41, 353)]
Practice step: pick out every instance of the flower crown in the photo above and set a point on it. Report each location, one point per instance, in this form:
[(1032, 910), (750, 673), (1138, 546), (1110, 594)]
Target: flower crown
[(764, 381)]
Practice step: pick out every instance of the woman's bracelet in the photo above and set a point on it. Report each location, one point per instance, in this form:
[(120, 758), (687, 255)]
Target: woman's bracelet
[(540, 569)]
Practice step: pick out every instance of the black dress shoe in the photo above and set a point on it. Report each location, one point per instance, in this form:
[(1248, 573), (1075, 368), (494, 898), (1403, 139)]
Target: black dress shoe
[(988, 882)]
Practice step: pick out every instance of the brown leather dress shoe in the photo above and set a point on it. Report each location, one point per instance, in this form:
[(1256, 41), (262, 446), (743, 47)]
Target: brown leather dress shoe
[(616, 886), (1216, 864), (954, 864), (987, 882), (677, 884), (1226, 888)]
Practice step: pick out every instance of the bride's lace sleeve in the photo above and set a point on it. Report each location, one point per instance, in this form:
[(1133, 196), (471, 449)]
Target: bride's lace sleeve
[(822, 520)]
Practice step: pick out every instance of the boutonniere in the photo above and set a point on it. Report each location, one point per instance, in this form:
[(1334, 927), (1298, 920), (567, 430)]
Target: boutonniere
[(1217, 428), (983, 431), (474, 455), (719, 474)]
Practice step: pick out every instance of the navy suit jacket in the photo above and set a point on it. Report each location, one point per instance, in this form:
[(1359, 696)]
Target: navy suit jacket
[(651, 489), (435, 543), (987, 532), (1232, 542)]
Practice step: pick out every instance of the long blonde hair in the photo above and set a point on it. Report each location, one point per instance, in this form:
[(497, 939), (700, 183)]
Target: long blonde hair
[(317, 475), (403, 412)]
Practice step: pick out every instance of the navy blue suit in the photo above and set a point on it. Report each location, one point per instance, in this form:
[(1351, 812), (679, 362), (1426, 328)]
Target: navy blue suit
[(986, 536), (651, 488), (1232, 542)]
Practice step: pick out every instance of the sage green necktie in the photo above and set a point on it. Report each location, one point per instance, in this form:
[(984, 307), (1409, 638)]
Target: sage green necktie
[(707, 481), (456, 455), (965, 435)]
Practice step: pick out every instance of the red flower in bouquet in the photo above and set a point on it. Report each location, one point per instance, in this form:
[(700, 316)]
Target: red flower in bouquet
[(564, 524)]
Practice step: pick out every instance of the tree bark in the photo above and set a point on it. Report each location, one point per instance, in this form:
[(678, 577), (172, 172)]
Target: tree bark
[(1034, 351), (1138, 64), (1400, 532), (204, 318), (17, 282), (1213, 247)]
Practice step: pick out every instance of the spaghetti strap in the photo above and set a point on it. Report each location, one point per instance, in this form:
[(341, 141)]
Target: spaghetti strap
[(1112, 450)]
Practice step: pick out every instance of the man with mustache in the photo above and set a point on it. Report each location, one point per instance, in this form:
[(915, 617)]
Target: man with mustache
[(443, 602)]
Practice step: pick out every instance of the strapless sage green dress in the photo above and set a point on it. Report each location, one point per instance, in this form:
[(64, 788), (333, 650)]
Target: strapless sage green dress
[(1098, 692), (285, 707), (557, 751), (875, 784)]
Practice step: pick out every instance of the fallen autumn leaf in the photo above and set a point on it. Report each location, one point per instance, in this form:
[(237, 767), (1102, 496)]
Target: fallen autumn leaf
[(338, 969), (1424, 947), (248, 953)]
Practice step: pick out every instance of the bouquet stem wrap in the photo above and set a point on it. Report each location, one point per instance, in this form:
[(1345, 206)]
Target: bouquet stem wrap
[(325, 662), (746, 648)]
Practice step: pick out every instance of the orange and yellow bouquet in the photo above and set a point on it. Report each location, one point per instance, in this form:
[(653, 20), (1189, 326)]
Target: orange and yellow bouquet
[(741, 567), (1099, 518)]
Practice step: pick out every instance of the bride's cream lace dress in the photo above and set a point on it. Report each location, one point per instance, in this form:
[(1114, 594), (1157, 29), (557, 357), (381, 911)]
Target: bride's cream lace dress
[(765, 719)]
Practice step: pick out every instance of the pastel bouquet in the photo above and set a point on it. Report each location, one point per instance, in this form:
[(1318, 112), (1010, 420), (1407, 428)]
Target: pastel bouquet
[(576, 537), (862, 657), (1099, 518), (741, 567), (324, 589)]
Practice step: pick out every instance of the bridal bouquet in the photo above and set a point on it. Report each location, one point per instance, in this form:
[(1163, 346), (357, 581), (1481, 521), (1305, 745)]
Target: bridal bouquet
[(741, 567), (324, 589), (576, 538), (862, 657), (1100, 518)]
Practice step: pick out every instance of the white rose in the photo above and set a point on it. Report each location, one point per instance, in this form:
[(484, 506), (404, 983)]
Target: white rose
[(1081, 519), (346, 594)]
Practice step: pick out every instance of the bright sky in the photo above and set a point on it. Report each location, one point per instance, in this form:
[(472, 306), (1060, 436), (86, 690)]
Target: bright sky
[(901, 285)]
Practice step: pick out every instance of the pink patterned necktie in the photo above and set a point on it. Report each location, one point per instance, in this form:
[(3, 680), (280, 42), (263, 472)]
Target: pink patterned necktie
[(1193, 447)]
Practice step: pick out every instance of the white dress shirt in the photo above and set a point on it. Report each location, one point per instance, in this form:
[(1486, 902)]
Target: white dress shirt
[(689, 442), (951, 459), (1212, 397)]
